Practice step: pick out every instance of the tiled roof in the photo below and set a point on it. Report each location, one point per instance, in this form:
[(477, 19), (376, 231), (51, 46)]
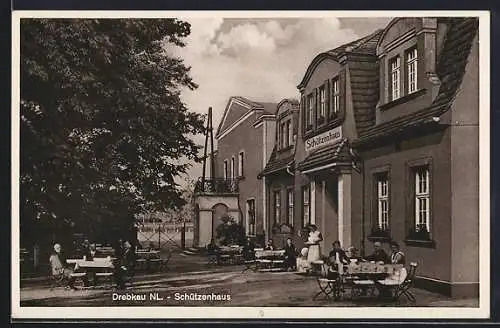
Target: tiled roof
[(366, 45), (268, 107), (450, 70), (277, 163), (337, 153)]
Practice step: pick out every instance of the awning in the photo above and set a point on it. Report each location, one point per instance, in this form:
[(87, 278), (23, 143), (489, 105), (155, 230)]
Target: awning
[(330, 156), (277, 164)]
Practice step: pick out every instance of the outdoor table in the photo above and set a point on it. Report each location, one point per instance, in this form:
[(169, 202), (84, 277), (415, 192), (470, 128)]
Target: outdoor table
[(99, 267), (230, 254), (145, 257), (268, 260), (363, 276)]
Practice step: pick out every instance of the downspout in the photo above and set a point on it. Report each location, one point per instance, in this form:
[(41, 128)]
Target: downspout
[(288, 170)]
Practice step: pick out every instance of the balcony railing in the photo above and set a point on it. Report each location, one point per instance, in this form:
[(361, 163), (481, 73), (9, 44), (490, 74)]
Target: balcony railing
[(216, 186)]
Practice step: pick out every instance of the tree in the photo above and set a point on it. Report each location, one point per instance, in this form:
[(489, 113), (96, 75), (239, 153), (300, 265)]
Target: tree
[(103, 129), (230, 232)]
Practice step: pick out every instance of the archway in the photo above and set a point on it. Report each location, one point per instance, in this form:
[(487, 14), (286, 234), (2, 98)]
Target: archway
[(218, 212)]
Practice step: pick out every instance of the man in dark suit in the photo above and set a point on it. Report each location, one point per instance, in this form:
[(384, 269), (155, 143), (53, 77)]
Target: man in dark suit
[(290, 255), (126, 266), (378, 255)]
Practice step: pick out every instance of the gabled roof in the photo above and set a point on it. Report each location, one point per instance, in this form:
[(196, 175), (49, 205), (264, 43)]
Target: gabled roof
[(364, 46), (237, 107), (450, 70)]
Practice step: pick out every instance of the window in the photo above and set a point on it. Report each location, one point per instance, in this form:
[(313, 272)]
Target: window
[(289, 128), (233, 166), (309, 111), (290, 207), (251, 217), (306, 206), (277, 207), (411, 62), (241, 166), (383, 201), (322, 105), (395, 78), (335, 97), (422, 199), (283, 138), (226, 174), (285, 134)]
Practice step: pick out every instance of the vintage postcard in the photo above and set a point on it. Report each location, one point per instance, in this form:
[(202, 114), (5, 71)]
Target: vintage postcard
[(224, 165)]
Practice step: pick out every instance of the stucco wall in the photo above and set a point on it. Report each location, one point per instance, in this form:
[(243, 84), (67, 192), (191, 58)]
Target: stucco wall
[(465, 176)]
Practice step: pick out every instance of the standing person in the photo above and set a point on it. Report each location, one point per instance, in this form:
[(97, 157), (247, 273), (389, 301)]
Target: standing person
[(313, 241), (290, 255), (249, 250), (126, 266), (397, 257)]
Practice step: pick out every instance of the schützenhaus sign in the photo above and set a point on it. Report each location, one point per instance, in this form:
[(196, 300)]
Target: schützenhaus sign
[(326, 138)]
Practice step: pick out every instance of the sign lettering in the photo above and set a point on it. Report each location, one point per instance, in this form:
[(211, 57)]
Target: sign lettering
[(324, 139)]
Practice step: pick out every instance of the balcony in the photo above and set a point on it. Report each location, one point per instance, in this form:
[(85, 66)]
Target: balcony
[(216, 186)]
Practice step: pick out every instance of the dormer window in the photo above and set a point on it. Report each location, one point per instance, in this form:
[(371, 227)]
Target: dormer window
[(335, 97), (285, 133), (395, 67), (411, 63)]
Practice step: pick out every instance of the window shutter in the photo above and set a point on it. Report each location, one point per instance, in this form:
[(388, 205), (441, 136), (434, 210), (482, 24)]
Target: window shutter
[(342, 91), (327, 98), (316, 107), (303, 113)]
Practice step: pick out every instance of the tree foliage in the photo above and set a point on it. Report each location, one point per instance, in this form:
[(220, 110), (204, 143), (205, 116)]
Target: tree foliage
[(230, 232), (103, 129)]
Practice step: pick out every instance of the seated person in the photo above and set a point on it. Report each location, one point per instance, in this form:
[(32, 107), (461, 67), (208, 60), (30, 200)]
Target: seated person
[(302, 263), (290, 255), (92, 253), (378, 255), (269, 246), (353, 254), (59, 266), (213, 251), (336, 257), (397, 257), (337, 254)]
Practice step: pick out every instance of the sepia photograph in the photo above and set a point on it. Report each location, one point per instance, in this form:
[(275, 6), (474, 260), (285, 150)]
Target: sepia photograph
[(250, 165)]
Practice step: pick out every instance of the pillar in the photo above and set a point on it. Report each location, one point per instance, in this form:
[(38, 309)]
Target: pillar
[(344, 215)]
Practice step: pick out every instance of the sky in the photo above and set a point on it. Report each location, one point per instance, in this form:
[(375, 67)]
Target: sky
[(261, 59)]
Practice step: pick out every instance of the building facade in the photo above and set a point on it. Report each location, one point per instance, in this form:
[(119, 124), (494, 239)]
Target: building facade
[(387, 149), (243, 137), (278, 175)]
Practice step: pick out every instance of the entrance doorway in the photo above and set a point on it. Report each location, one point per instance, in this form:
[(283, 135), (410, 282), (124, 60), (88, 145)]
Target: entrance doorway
[(218, 212)]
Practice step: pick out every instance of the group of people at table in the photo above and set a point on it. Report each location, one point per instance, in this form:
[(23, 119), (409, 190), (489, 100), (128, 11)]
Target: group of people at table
[(122, 263), (304, 260)]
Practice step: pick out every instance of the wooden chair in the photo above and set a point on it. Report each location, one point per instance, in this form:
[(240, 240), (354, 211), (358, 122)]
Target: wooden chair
[(57, 280), (402, 285)]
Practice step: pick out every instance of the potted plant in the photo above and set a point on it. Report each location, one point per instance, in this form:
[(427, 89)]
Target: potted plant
[(419, 232)]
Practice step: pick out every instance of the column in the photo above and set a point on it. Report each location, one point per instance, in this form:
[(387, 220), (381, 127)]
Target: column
[(344, 215)]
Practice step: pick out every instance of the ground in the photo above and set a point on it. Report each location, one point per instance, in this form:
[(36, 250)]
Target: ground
[(190, 274)]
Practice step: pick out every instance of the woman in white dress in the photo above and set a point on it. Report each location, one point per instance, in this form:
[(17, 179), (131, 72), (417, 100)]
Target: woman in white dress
[(315, 237)]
